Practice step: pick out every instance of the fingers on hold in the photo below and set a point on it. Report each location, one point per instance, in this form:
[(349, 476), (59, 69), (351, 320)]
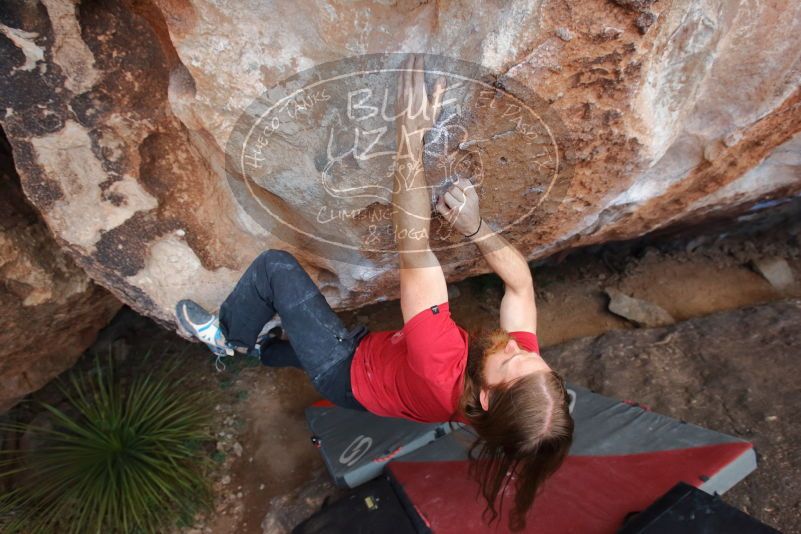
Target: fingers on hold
[(466, 185), (451, 199), (442, 208), (399, 92), (407, 72), (419, 74), (447, 199)]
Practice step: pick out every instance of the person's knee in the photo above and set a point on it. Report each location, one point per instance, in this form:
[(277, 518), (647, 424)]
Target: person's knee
[(277, 256)]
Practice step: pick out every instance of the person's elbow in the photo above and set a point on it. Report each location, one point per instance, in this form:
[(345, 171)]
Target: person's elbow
[(522, 283)]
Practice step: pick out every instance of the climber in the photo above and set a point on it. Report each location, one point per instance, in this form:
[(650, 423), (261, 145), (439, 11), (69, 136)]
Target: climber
[(425, 371)]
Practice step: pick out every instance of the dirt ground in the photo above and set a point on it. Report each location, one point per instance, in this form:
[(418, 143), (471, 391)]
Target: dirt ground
[(734, 372), (731, 374)]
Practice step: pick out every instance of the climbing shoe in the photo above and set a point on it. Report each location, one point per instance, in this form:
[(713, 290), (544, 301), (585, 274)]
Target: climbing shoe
[(205, 326)]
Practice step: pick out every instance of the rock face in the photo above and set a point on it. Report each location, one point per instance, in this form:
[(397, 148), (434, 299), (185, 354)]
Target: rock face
[(120, 112), (51, 309)]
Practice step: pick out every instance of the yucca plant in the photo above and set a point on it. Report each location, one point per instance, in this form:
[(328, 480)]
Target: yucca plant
[(120, 457)]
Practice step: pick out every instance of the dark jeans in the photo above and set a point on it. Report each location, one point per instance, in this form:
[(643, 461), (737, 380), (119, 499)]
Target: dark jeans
[(318, 341)]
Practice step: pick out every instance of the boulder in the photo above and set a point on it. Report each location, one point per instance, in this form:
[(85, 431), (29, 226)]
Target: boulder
[(122, 116), (776, 271), (51, 309), (640, 312)]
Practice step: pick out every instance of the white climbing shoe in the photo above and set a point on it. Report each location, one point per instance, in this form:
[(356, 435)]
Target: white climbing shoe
[(205, 326)]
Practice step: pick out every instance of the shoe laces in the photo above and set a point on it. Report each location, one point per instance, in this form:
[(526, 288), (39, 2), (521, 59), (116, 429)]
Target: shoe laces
[(218, 363), (222, 353)]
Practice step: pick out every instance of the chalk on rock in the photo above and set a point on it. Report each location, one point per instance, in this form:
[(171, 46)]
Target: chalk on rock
[(564, 34), (776, 271), (641, 312)]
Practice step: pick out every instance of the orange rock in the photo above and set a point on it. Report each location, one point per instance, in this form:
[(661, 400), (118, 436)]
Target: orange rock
[(51, 309), (120, 116)]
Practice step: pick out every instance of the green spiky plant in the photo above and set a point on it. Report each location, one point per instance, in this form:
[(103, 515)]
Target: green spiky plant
[(123, 457)]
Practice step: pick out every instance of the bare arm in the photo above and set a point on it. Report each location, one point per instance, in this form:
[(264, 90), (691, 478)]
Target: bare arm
[(422, 281), (518, 307), (459, 206)]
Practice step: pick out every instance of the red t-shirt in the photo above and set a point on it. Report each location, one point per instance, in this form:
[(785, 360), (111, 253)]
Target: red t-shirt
[(417, 372)]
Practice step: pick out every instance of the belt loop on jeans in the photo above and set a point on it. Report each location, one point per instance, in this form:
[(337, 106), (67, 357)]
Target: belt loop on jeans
[(357, 333)]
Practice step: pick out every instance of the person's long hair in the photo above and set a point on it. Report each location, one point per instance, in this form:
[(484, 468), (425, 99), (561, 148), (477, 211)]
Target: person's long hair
[(524, 435)]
